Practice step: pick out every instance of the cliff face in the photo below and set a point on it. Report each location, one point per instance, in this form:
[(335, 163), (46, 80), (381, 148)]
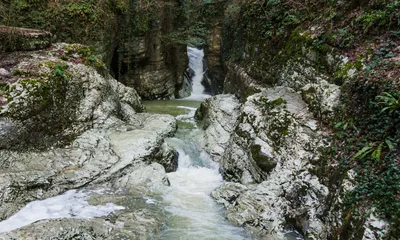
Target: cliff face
[(129, 35), (329, 52), (154, 67)]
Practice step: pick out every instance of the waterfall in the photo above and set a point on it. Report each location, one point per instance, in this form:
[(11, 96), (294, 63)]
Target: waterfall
[(196, 64)]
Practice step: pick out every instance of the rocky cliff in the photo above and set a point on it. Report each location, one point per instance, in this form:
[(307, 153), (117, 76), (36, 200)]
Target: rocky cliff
[(82, 128), (341, 69), (129, 35)]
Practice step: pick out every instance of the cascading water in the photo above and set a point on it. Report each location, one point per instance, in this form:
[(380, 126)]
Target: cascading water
[(193, 213), (196, 64)]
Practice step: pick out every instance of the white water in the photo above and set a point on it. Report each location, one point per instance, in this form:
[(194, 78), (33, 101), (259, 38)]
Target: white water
[(195, 215), (196, 64), (72, 204)]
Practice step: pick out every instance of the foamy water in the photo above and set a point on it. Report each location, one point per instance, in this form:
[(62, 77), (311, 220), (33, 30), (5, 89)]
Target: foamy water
[(196, 64), (195, 215), (72, 204)]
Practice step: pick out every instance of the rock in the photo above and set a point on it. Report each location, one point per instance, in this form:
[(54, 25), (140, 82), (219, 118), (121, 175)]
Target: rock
[(186, 89), (74, 101), (273, 124), (239, 82), (4, 72), (67, 229), (297, 74), (218, 116), (322, 98), (286, 199), (272, 145), (168, 158), (105, 140), (228, 192), (214, 73), (145, 178), (153, 66), (135, 224), (23, 39)]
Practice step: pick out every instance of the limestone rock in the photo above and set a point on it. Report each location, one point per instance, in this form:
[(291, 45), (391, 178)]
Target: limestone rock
[(73, 101), (144, 178), (168, 158), (108, 142), (219, 115), (322, 98), (139, 223), (228, 193), (270, 152)]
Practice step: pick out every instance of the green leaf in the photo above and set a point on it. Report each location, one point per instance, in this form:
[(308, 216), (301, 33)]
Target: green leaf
[(390, 145), (364, 151), (377, 153), (338, 125)]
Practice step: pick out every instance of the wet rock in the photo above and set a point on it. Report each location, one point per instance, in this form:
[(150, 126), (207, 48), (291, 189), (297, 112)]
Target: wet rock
[(107, 139), (137, 224), (270, 153), (145, 178), (151, 65), (168, 158), (218, 117), (228, 193)]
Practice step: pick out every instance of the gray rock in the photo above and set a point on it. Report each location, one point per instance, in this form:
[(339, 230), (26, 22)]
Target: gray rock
[(270, 151), (227, 193), (138, 224), (322, 98), (218, 116), (112, 143), (4, 72), (144, 178), (168, 158)]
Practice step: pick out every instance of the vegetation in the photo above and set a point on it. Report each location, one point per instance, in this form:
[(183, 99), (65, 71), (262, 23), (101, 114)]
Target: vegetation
[(265, 35), (367, 137)]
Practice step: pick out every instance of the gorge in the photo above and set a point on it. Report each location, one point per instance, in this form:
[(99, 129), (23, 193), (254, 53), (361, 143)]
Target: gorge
[(199, 119)]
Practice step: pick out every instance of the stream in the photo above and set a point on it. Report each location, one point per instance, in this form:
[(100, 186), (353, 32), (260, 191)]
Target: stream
[(191, 212), (194, 214)]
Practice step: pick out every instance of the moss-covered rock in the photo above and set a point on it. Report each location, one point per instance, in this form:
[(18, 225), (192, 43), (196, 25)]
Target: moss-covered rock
[(53, 94), (23, 39)]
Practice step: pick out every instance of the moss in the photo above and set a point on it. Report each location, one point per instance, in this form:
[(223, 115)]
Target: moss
[(262, 161), (343, 72), (268, 105)]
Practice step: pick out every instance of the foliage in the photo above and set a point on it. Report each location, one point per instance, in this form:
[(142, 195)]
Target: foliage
[(367, 138), (390, 102)]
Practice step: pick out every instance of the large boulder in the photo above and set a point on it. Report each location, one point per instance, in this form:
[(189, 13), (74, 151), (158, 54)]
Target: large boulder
[(138, 220), (273, 145), (218, 117), (87, 129)]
